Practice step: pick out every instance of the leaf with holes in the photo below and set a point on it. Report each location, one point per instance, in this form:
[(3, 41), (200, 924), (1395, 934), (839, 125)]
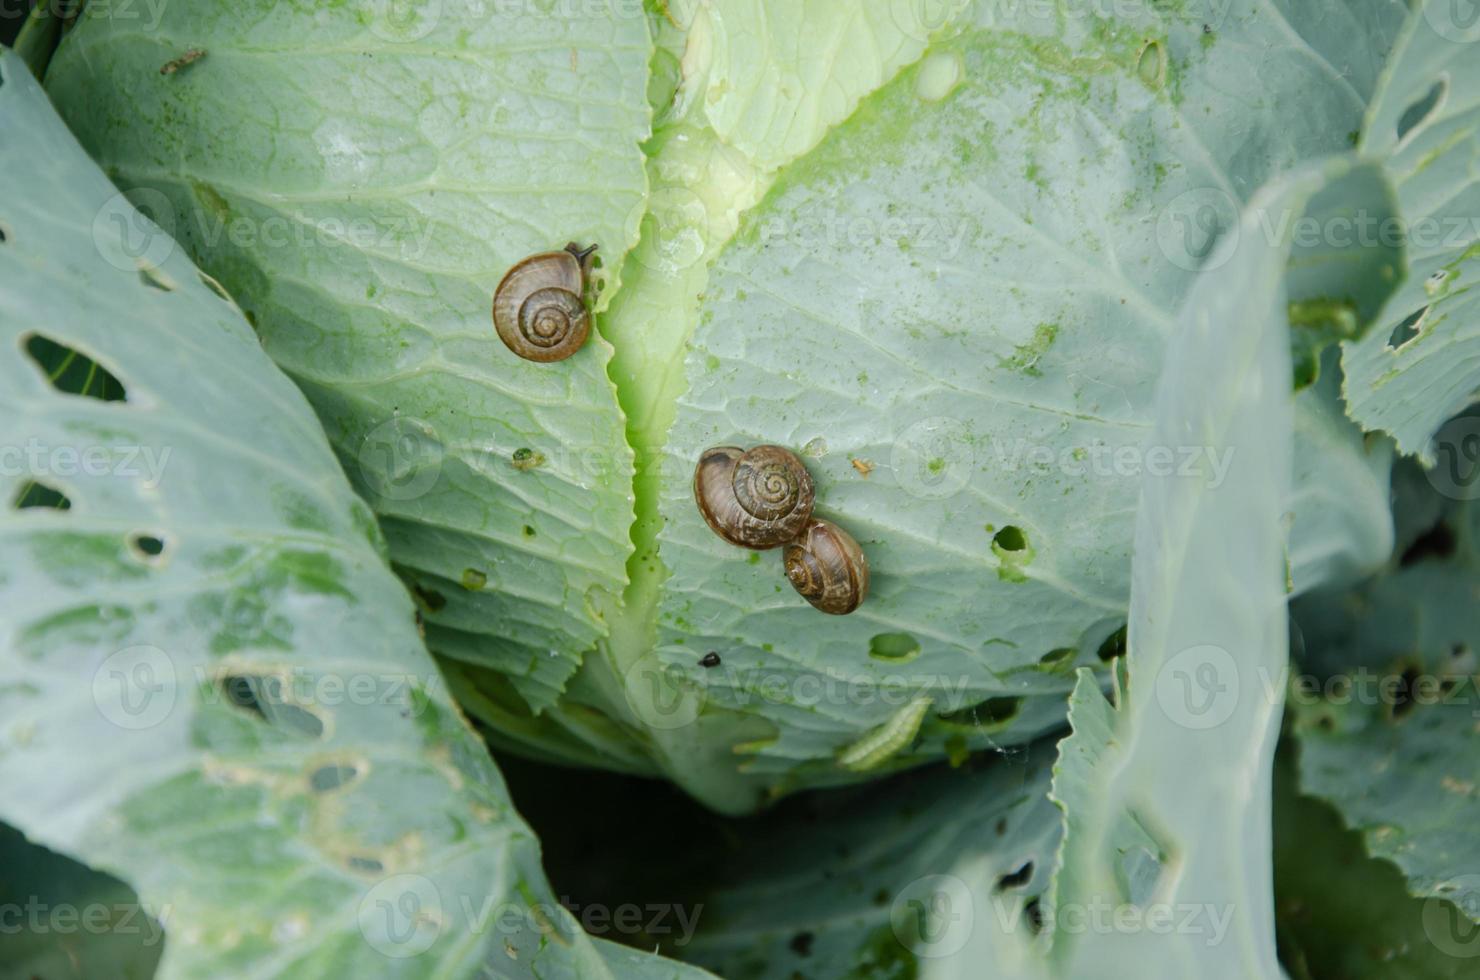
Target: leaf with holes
[(873, 882), (955, 308), (935, 248), (212, 685), (360, 176), (1424, 125), (1344, 914), (1201, 690), (1385, 708)]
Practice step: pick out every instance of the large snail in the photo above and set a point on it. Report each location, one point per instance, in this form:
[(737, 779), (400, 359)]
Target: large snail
[(540, 309), (757, 499), (828, 568)]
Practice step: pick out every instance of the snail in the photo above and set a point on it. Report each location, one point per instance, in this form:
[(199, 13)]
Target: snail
[(828, 568), (758, 499), (539, 309)]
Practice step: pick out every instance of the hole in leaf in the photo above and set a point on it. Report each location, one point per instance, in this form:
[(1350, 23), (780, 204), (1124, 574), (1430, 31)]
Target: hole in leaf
[(894, 647), (1407, 330), (265, 698), (326, 779), (1016, 879), (1403, 699), (146, 546), (155, 278), (1057, 659), (1415, 115), (1033, 916), (214, 286), (1152, 65), (1114, 646), (985, 714), (72, 372), (1438, 542), (1010, 538), (430, 600), (39, 495)]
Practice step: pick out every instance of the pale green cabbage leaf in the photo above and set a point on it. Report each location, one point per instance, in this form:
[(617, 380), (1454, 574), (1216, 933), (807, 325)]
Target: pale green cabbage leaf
[(1423, 366), (942, 260), (211, 683)]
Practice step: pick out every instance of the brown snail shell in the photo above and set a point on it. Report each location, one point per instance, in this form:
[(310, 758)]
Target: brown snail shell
[(539, 309), (757, 499), (828, 568)]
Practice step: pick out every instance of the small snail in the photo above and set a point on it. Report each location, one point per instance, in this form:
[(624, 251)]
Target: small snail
[(758, 499), (540, 310), (828, 568)]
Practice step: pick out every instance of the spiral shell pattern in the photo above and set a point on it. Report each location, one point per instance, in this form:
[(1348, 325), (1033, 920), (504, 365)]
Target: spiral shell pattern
[(758, 499), (554, 320), (827, 568), (539, 309)]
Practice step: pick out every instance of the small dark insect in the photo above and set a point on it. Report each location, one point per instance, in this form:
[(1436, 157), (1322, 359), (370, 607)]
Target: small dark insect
[(185, 60), (711, 659)]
